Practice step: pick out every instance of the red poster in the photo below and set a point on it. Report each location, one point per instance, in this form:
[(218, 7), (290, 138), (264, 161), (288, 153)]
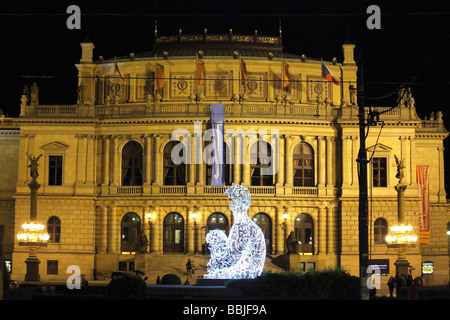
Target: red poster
[(424, 204)]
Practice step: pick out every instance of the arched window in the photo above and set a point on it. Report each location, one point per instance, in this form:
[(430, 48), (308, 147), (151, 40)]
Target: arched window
[(380, 230), (174, 174), (54, 229), (264, 222), (227, 160), (132, 164), (131, 232), (218, 221), (173, 240), (303, 157), (260, 161), (304, 233)]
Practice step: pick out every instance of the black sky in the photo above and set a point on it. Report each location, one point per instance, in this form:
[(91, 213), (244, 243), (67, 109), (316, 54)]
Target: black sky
[(413, 42)]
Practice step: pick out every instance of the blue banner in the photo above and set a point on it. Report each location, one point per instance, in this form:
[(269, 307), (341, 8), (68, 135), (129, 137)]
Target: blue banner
[(217, 121)]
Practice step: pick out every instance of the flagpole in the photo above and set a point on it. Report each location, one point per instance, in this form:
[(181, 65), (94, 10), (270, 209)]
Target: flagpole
[(196, 77), (239, 82), (154, 82)]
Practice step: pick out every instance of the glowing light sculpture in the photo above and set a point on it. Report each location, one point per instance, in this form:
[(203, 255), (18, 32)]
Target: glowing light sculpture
[(241, 255)]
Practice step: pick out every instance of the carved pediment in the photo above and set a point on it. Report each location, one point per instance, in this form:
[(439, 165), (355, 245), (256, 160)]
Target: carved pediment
[(379, 148), (55, 145)]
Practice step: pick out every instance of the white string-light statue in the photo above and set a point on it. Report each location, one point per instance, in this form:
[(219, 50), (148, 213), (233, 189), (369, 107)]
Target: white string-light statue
[(241, 255)]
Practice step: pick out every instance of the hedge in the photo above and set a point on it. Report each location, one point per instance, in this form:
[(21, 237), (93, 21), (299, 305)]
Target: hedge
[(327, 284)]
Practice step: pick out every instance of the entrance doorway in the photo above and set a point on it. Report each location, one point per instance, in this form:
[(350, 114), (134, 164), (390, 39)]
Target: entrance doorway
[(173, 241), (264, 222)]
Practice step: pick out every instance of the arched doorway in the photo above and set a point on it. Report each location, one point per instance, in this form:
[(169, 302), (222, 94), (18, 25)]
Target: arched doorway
[(264, 222), (304, 233), (173, 241), (130, 232)]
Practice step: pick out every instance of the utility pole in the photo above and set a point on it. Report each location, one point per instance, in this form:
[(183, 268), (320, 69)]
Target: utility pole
[(363, 196)]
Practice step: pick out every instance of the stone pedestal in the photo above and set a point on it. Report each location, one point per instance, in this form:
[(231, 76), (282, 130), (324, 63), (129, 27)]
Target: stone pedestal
[(291, 262), (32, 269)]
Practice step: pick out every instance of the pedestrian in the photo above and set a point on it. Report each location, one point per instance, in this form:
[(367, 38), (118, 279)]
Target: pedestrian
[(414, 289), (391, 285), (192, 267), (84, 286), (189, 267), (409, 280)]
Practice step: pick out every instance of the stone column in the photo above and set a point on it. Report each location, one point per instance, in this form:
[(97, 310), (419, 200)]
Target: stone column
[(346, 161), (158, 164), (198, 150), (116, 172), (113, 234), (105, 181), (321, 161), (289, 172), (102, 223), (246, 173), (90, 160), (148, 162), (329, 170), (322, 228), (441, 193), (237, 163), (281, 162)]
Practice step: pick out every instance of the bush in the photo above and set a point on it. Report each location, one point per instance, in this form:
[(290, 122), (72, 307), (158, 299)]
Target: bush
[(170, 279), (127, 287), (327, 284)]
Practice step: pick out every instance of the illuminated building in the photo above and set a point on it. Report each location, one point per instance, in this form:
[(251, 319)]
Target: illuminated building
[(106, 163)]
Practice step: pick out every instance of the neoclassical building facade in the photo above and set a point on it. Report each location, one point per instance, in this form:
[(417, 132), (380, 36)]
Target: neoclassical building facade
[(111, 193)]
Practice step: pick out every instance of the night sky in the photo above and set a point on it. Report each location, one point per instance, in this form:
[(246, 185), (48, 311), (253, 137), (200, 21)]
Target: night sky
[(413, 45)]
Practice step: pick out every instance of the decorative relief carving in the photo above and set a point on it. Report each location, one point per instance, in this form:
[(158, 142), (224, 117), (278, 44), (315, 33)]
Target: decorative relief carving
[(218, 85), (317, 89), (181, 85), (256, 87), (144, 86)]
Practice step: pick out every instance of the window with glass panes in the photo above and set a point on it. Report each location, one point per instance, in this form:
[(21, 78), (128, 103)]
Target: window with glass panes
[(55, 170), (379, 172)]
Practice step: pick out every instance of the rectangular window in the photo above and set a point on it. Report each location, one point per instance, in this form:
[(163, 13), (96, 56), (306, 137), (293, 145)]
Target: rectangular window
[(55, 170), (379, 172), (52, 266)]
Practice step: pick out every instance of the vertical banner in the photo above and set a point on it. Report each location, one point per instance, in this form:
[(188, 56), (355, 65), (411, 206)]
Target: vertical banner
[(217, 121), (423, 180)]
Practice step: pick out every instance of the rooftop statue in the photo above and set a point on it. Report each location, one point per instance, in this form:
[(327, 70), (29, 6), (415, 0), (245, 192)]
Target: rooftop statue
[(241, 255)]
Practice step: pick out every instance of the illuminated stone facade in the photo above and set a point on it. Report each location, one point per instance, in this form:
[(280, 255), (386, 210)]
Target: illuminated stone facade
[(105, 161)]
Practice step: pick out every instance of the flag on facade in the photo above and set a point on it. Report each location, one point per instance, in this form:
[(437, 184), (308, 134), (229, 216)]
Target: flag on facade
[(159, 77), (217, 120), (244, 77), (201, 73), (116, 70), (326, 73), (286, 77)]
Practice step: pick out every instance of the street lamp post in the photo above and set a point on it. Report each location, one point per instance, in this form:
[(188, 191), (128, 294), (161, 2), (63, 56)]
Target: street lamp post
[(33, 235), (148, 215), (401, 236), (194, 217), (284, 227)]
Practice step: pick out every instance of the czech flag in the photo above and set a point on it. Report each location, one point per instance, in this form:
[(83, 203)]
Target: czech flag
[(116, 70), (326, 73), (159, 77), (244, 76), (201, 73)]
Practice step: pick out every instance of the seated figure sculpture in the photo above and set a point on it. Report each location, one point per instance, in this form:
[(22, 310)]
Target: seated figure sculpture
[(241, 255)]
